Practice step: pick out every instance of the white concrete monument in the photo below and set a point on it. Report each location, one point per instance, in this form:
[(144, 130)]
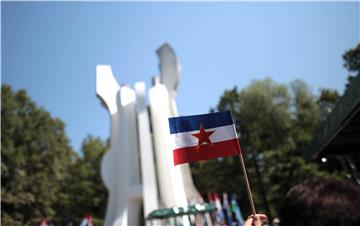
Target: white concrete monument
[(170, 71), (120, 168), (128, 168)]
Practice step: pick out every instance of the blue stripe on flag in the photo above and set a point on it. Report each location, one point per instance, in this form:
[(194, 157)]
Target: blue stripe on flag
[(191, 123)]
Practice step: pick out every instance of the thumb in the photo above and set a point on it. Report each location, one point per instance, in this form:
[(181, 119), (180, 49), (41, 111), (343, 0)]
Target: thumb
[(255, 220)]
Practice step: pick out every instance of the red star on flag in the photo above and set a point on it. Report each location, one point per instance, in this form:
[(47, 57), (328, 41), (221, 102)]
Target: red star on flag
[(203, 136)]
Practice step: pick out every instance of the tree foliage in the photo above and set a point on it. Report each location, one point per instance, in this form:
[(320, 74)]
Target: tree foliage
[(352, 62), (275, 123), (41, 176), (35, 156), (326, 101), (84, 187)]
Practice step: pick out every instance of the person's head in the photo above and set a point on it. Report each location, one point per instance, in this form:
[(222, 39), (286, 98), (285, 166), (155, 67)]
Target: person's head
[(321, 202)]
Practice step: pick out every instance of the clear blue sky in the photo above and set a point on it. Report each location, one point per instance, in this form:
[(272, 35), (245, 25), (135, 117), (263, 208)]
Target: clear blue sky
[(51, 50)]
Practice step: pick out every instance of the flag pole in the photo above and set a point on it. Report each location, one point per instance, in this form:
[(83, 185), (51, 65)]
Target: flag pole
[(248, 189), (247, 182)]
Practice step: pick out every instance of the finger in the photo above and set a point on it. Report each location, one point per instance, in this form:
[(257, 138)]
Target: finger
[(258, 218), (250, 216), (255, 221), (248, 222), (261, 216)]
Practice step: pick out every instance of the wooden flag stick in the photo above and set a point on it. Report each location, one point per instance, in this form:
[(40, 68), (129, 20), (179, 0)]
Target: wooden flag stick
[(247, 185)]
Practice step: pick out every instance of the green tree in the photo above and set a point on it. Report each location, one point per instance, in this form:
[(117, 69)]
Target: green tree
[(352, 62), (35, 156), (83, 190), (307, 115), (326, 101), (275, 123)]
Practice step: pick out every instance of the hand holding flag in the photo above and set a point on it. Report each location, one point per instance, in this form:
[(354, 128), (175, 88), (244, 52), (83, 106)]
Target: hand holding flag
[(207, 136)]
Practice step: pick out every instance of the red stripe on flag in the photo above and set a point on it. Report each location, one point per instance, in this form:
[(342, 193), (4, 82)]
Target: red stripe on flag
[(207, 151)]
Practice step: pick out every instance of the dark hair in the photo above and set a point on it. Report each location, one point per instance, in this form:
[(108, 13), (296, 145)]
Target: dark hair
[(321, 202)]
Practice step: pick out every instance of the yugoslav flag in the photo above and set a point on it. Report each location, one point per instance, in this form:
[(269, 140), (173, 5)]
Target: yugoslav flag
[(220, 214), (227, 209), (236, 209), (200, 137)]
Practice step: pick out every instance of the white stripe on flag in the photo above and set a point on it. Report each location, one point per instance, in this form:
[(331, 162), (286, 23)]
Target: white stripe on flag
[(222, 133)]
